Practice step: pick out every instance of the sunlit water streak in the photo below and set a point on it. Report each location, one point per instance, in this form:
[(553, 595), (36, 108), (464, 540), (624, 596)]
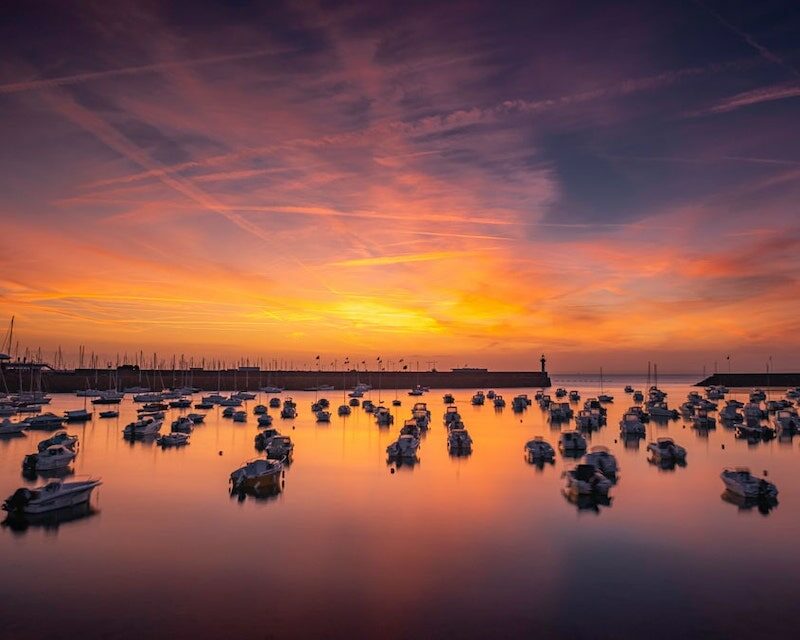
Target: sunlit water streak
[(455, 547)]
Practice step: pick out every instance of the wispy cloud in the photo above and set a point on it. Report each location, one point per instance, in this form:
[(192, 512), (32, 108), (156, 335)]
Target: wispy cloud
[(403, 259)]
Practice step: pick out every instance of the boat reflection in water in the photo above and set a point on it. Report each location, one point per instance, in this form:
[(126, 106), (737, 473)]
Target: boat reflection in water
[(667, 464), (32, 475), (261, 493), (764, 504), (51, 520), (587, 502), (402, 464)]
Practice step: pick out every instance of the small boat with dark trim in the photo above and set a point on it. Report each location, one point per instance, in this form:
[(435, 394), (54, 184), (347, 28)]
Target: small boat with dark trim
[(258, 474), (7, 427), (77, 415), (59, 437), (280, 448), (173, 439)]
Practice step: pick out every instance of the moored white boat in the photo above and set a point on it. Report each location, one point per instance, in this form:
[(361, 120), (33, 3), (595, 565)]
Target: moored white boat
[(264, 420), (586, 479), (45, 421), (405, 446), (9, 427), (666, 449), (59, 437), (54, 495), (173, 439), (631, 425), (55, 456), (741, 482), (279, 447), (143, 427), (539, 449), (383, 417), (572, 441), (184, 424), (459, 441), (603, 459), (258, 474), (77, 415)]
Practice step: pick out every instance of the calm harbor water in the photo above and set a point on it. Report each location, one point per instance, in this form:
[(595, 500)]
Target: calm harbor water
[(451, 547)]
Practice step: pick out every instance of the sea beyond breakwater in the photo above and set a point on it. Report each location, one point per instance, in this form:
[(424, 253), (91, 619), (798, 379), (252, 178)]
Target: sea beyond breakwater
[(36, 377)]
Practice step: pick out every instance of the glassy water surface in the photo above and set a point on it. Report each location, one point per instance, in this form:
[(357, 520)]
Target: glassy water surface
[(450, 547)]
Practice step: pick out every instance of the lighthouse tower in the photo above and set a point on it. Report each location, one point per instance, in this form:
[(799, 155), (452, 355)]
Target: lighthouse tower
[(543, 360)]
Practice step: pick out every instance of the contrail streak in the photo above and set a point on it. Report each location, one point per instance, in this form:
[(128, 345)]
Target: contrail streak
[(89, 76), (762, 50)]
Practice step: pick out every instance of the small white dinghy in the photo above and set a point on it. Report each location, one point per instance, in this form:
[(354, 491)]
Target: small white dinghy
[(603, 459), (52, 496), (741, 482), (539, 449)]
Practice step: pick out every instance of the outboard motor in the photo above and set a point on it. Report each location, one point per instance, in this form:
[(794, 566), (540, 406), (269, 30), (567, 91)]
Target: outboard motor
[(30, 461), (18, 500)]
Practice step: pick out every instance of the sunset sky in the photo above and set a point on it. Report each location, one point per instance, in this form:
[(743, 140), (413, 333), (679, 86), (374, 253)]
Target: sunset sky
[(470, 182)]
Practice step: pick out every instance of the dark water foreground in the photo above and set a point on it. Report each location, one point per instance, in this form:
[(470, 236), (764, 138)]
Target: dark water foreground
[(484, 546)]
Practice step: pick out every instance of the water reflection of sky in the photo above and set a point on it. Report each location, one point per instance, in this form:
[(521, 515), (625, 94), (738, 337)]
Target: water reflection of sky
[(461, 547)]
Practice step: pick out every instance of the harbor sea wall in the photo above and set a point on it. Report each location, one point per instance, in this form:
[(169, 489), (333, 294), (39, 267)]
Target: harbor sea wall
[(746, 380), (69, 381)]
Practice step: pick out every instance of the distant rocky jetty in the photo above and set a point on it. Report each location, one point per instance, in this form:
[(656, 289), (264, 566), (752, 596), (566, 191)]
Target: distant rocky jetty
[(747, 380)]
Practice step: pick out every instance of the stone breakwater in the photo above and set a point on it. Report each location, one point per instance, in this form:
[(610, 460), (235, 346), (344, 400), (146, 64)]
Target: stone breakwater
[(69, 381), (747, 380)]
